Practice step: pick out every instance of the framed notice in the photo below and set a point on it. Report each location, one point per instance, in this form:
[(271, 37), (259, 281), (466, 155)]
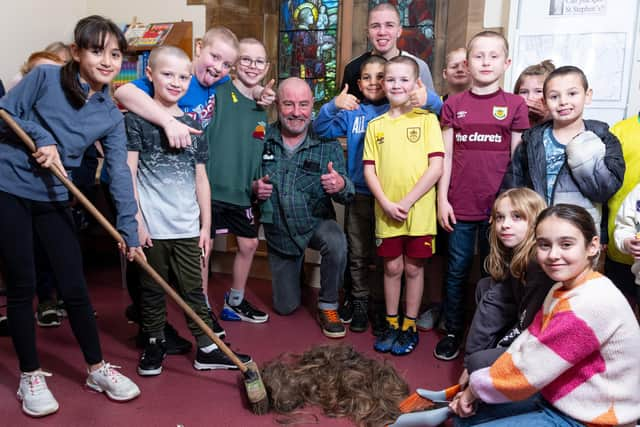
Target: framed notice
[(598, 36), (577, 7)]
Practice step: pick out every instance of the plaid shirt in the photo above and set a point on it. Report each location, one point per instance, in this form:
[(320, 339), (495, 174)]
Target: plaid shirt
[(298, 202)]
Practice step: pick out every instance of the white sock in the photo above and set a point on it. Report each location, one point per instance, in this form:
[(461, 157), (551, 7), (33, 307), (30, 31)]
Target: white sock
[(235, 297), (209, 348)]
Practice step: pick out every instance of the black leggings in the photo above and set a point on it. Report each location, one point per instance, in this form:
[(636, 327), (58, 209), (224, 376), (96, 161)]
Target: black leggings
[(20, 221)]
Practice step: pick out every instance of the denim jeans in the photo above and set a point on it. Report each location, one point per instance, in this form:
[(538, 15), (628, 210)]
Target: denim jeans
[(534, 411), (461, 250), (329, 239)]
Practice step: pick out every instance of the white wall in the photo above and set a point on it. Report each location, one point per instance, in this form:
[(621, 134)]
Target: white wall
[(496, 14), (30, 25), (147, 11)]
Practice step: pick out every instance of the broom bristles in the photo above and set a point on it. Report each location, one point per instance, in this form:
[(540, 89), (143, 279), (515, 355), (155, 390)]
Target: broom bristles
[(413, 403), (256, 391)]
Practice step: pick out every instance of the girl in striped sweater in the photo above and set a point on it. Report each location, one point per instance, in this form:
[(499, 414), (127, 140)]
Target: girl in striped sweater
[(579, 355)]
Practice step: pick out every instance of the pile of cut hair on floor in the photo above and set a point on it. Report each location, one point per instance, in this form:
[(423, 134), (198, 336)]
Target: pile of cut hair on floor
[(338, 379)]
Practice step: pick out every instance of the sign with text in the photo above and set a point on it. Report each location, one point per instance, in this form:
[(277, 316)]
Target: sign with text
[(576, 7)]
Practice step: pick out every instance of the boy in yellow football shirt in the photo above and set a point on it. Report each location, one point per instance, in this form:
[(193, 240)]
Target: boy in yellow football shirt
[(403, 159)]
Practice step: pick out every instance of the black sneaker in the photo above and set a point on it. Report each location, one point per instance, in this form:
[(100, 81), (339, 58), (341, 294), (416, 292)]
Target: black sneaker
[(406, 342), (62, 309), (330, 324), (47, 315), (217, 360), (174, 343), (378, 323), (360, 319), (4, 327), (346, 310), (217, 329), (448, 348), (151, 359), (244, 311)]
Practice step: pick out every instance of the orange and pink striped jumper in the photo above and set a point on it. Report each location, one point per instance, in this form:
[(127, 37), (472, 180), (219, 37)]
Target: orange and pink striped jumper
[(582, 353)]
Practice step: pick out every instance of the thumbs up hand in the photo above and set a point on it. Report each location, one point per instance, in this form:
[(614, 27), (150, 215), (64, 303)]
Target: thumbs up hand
[(346, 101), (332, 182), (418, 96), (267, 95), (262, 188)]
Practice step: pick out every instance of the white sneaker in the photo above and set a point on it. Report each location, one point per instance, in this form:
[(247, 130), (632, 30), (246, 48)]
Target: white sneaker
[(427, 320), (36, 397), (107, 379)]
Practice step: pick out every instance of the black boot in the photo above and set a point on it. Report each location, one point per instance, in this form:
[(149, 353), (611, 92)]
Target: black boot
[(360, 319)]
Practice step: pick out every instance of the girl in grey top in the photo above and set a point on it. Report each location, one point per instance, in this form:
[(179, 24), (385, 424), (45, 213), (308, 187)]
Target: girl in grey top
[(64, 110)]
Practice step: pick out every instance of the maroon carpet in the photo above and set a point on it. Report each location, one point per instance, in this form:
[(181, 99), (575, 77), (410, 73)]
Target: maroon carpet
[(182, 395)]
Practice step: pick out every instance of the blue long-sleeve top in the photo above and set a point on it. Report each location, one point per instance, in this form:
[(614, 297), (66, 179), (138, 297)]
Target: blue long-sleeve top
[(38, 104), (331, 122)]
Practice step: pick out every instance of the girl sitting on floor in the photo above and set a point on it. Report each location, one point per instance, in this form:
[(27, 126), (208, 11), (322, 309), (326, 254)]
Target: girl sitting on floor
[(580, 351)]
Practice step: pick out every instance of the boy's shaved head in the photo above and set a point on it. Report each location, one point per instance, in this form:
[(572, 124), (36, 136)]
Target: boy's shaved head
[(401, 59), (461, 50), (220, 33), (489, 34), (251, 40), (373, 59), (386, 7), (564, 71), (164, 51)]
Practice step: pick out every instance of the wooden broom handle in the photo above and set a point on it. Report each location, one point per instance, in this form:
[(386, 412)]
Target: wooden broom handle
[(116, 235)]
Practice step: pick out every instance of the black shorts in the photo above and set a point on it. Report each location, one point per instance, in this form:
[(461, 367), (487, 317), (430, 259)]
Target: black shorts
[(234, 219)]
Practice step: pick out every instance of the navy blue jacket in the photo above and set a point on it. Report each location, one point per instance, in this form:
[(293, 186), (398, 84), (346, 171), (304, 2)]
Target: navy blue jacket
[(588, 183)]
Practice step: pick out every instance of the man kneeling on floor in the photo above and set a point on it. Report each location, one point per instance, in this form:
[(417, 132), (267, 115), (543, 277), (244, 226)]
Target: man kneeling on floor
[(302, 174)]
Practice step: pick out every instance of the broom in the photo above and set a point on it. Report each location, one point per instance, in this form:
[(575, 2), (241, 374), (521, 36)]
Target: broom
[(254, 387), (426, 408), (426, 398)]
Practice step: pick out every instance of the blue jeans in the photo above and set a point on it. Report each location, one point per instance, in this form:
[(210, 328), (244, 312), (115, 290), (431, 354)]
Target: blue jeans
[(461, 250), (329, 239), (534, 411)]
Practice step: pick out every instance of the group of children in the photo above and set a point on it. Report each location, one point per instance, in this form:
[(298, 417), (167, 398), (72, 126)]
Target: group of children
[(165, 189), (522, 317), (210, 191), (185, 183)]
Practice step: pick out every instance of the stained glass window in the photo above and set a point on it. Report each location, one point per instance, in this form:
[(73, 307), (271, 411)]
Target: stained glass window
[(417, 20), (307, 45)]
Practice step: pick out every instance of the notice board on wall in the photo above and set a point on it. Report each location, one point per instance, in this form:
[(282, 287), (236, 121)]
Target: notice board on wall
[(598, 36)]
